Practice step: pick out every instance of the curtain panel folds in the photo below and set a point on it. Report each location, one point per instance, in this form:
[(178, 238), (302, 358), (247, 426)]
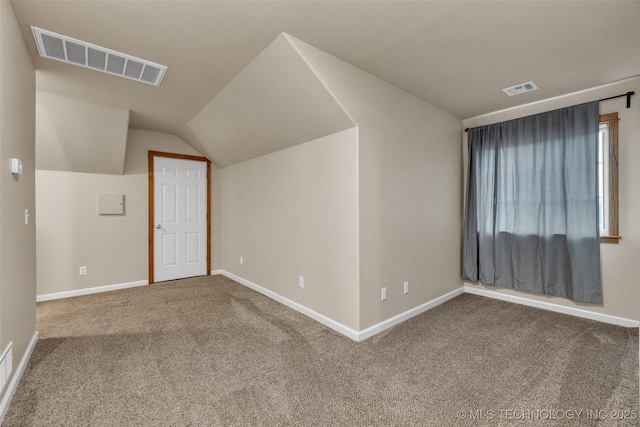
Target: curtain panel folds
[(531, 213)]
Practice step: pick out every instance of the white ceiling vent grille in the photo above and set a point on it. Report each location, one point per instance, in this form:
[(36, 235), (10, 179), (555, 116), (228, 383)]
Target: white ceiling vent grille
[(521, 88), (87, 55)]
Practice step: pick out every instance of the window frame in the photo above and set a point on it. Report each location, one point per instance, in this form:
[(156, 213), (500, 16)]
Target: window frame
[(611, 120)]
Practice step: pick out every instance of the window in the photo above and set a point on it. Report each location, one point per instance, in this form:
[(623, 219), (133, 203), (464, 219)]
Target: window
[(531, 212), (608, 178)]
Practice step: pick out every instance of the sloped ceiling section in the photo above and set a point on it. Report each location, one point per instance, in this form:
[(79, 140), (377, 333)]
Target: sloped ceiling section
[(275, 102), (79, 136)]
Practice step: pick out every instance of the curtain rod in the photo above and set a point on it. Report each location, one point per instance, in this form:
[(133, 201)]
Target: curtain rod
[(628, 95)]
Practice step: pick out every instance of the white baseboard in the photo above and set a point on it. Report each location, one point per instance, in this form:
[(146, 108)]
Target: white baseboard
[(386, 324), (336, 326), (600, 317), (98, 289), (17, 376), (87, 291), (375, 329)]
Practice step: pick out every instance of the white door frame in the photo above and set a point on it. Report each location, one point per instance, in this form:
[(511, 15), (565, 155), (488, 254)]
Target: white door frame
[(152, 155)]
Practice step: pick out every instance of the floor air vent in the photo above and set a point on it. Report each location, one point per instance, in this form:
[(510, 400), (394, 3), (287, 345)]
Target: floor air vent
[(521, 88), (66, 49)]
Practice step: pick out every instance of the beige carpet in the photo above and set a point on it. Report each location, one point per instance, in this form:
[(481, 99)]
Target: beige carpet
[(209, 352)]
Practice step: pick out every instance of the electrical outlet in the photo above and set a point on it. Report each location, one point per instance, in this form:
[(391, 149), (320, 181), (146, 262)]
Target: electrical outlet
[(83, 270), (241, 260), (301, 281), (406, 287), (383, 294)]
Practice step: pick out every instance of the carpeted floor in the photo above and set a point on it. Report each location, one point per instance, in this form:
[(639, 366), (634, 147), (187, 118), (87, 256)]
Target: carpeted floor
[(208, 352)]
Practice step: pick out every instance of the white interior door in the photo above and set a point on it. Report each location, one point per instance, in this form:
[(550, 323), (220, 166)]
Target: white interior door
[(180, 214)]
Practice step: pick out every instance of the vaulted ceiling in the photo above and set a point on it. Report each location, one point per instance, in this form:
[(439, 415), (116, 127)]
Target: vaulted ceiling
[(455, 55)]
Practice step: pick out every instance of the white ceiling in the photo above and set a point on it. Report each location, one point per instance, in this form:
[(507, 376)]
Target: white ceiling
[(456, 55)]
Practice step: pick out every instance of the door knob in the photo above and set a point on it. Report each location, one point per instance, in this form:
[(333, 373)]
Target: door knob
[(158, 226)]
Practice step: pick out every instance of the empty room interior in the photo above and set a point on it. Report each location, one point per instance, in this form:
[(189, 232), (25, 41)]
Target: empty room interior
[(319, 213)]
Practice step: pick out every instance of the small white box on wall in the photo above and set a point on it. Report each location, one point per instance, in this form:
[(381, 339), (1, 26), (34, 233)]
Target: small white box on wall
[(110, 204), (16, 166)]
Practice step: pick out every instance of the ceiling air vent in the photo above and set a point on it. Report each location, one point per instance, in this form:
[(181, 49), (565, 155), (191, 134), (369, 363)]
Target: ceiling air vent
[(87, 55), (521, 88)]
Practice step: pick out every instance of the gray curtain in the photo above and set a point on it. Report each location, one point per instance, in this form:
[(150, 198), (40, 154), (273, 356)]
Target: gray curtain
[(531, 214)]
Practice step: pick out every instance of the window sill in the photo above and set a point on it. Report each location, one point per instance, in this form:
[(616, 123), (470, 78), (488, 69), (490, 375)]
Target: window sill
[(610, 239)]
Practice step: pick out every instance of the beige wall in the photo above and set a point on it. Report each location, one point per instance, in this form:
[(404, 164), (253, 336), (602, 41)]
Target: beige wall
[(79, 136), (17, 139), (71, 234), (409, 180), (620, 266), (274, 103), (295, 213)]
